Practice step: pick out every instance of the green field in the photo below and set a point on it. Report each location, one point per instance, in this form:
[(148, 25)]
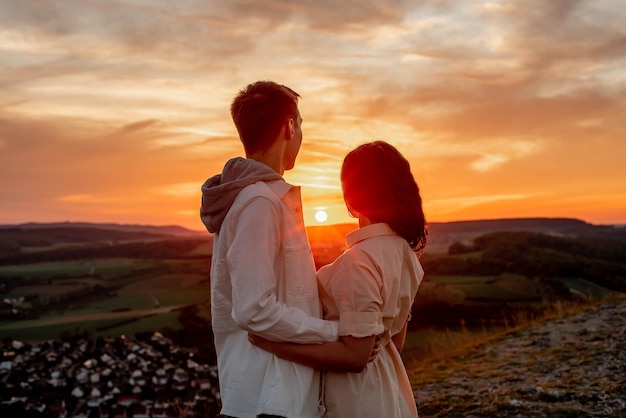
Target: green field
[(460, 280), (107, 297), (501, 288), (130, 302), (101, 328), (70, 268), (431, 340), (586, 288)]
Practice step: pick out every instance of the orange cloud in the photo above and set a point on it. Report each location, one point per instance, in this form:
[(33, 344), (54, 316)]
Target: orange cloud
[(503, 109)]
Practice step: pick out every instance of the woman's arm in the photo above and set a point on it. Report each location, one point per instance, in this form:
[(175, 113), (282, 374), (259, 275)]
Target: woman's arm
[(400, 338), (349, 354)]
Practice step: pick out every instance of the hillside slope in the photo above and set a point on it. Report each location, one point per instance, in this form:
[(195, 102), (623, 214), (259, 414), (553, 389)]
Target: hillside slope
[(574, 366), (175, 230), (442, 235)]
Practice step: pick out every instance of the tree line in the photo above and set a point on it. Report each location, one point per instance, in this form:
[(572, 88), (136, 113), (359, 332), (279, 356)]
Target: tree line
[(158, 249), (531, 254)]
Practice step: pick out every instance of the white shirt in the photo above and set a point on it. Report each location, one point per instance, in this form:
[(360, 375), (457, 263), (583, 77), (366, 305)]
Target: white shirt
[(263, 281), (370, 289)]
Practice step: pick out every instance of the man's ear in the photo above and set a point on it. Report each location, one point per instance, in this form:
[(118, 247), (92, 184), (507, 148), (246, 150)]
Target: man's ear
[(291, 129)]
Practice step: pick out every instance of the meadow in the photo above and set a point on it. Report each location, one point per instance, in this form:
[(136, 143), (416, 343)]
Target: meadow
[(74, 291)]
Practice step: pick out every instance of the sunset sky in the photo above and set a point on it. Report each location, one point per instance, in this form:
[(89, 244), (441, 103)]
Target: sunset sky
[(117, 111)]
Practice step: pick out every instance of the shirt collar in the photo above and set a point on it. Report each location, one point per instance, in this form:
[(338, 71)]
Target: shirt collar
[(282, 188), (288, 193), (369, 231)]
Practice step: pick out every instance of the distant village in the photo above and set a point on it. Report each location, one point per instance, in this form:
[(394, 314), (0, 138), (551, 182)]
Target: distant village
[(106, 377)]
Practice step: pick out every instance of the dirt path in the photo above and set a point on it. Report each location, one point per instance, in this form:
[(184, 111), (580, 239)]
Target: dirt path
[(569, 367), (88, 317)]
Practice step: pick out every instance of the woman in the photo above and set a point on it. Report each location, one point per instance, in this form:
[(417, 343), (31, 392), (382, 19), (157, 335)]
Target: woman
[(369, 289)]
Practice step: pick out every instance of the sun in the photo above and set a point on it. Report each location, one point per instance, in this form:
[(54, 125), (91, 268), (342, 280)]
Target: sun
[(321, 216)]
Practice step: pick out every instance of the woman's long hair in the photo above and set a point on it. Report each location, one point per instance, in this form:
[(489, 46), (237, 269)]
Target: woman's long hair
[(377, 182)]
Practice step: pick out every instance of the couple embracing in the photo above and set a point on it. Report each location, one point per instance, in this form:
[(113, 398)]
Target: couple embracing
[(290, 341)]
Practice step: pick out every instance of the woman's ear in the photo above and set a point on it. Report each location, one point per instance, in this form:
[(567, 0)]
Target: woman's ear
[(353, 213)]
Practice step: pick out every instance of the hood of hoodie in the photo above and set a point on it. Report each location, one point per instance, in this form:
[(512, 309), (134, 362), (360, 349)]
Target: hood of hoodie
[(219, 192)]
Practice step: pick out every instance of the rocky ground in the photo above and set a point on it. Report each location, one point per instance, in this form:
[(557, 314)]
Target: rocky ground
[(573, 366)]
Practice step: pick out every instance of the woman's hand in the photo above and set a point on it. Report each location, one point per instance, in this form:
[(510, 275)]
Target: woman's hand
[(349, 354), (259, 341), (375, 348)]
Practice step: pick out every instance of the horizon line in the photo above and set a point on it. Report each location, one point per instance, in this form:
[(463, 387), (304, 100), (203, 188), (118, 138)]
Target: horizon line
[(323, 224)]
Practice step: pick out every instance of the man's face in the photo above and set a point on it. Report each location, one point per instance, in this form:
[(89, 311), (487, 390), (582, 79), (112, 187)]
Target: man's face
[(295, 143)]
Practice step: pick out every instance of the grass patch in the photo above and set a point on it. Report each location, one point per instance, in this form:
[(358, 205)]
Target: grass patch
[(425, 345), (491, 291), (72, 268), (469, 255), (586, 288), (431, 341), (160, 284), (100, 328), (202, 250), (187, 296), (142, 324), (42, 333), (460, 280), (134, 302)]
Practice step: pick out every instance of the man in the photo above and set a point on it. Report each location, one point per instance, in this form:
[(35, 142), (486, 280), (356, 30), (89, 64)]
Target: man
[(262, 273)]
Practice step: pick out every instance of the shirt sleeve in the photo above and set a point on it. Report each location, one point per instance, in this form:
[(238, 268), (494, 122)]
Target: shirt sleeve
[(356, 287), (252, 259)]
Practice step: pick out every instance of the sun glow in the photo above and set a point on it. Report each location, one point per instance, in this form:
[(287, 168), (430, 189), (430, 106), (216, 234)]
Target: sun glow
[(321, 216)]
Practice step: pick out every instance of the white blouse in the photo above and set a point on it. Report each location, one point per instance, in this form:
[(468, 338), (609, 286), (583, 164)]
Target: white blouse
[(370, 289)]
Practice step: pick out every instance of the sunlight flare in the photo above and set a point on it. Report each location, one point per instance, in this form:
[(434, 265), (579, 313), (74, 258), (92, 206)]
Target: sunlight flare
[(321, 216)]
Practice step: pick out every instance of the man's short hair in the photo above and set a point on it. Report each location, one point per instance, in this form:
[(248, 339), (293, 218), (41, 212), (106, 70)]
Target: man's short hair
[(260, 111)]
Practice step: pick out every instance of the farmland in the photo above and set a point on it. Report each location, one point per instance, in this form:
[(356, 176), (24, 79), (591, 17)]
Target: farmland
[(70, 288)]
